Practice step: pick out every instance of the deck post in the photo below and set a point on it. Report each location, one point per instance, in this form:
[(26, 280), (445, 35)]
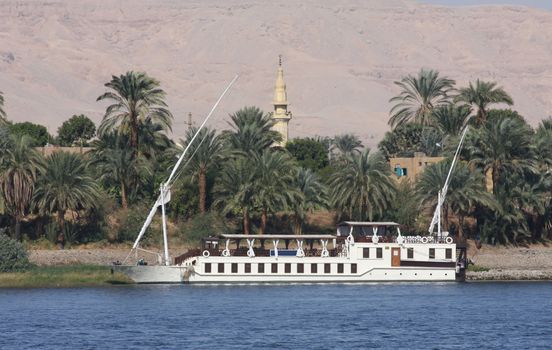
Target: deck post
[(275, 242)]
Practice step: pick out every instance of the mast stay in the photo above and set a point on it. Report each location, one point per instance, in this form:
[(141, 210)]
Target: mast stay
[(165, 193)]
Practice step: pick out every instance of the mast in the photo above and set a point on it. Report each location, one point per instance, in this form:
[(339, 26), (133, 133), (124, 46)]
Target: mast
[(165, 194), (443, 192)]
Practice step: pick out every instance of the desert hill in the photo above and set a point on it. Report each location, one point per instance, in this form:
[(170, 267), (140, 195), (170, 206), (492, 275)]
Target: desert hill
[(340, 57)]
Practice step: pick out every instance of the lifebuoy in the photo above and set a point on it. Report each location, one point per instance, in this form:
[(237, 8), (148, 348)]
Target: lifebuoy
[(449, 240), (325, 254), (424, 240), (375, 239), (250, 253), (206, 253), (225, 253)]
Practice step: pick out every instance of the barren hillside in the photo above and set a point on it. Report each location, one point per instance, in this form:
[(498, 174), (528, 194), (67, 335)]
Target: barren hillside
[(340, 57)]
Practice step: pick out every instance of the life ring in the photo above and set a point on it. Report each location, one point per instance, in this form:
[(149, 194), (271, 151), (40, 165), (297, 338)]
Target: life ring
[(226, 253), (325, 254), (400, 239), (375, 239), (250, 253), (350, 239), (449, 240), (300, 253), (206, 253), (424, 240)]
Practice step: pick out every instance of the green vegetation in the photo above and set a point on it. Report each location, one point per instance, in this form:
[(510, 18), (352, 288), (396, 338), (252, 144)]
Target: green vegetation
[(238, 180), (62, 276), (13, 256)]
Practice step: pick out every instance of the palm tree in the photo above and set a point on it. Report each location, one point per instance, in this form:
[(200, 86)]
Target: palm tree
[(346, 144), (65, 185), (466, 191), (205, 154), (117, 166), (362, 187), (251, 131), (273, 179), (2, 112), (451, 119), (419, 96), (136, 99), (503, 145), (19, 168), (481, 95), (313, 196), (234, 189)]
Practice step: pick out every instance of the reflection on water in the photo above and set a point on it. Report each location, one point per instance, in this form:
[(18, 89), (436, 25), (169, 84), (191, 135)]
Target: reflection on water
[(414, 316)]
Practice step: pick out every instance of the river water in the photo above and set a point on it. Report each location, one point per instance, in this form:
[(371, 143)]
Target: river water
[(409, 316)]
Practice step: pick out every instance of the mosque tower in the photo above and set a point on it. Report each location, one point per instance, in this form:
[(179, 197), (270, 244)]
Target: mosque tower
[(281, 115)]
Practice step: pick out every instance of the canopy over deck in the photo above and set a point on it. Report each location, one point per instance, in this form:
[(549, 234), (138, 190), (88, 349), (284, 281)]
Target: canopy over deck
[(368, 223), (279, 236)]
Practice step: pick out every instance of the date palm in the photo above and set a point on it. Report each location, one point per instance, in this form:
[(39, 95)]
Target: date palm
[(482, 94), (136, 99), (419, 96), (503, 146), (19, 168), (313, 196), (451, 119), (346, 144), (362, 187), (2, 112), (466, 191), (205, 154), (251, 131), (65, 185)]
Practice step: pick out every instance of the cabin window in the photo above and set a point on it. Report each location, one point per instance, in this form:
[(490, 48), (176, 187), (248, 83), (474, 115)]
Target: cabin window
[(353, 268), (234, 268), (221, 267), (287, 268), (448, 253), (247, 268), (432, 253), (314, 268), (300, 268), (340, 268), (366, 253), (379, 253), (274, 268), (207, 268), (327, 268), (410, 253), (260, 268)]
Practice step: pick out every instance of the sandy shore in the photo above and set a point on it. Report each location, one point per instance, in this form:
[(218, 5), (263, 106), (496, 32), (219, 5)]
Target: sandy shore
[(503, 263)]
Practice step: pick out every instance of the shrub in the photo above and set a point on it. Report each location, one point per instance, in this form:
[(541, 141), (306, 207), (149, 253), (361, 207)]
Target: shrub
[(209, 224), (13, 256), (126, 224)]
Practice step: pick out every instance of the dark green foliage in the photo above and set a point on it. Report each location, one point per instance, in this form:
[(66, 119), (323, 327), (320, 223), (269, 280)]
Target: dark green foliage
[(38, 133), (13, 256), (406, 139), (309, 153), (129, 223), (76, 131), (405, 208), (205, 225)]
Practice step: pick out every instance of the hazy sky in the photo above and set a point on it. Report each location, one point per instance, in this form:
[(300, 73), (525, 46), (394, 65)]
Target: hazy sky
[(544, 4)]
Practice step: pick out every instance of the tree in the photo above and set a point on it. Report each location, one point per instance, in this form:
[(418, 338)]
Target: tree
[(65, 185), (19, 167), (274, 175), (312, 196), (466, 191), (204, 156), (251, 131), (2, 112), (419, 96), (481, 95), (37, 133), (346, 144), (309, 153), (362, 187), (136, 99), (407, 139), (502, 146), (76, 130), (234, 189), (451, 119)]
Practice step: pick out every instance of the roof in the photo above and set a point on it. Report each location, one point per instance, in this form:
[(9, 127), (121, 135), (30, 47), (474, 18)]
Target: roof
[(269, 236), (367, 223)]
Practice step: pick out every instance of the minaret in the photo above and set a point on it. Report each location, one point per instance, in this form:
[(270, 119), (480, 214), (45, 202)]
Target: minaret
[(281, 115)]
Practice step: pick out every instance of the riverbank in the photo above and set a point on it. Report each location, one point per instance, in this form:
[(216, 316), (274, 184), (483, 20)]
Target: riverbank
[(62, 276)]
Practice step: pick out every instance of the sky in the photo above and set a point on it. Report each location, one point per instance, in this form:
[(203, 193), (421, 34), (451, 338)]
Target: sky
[(543, 4)]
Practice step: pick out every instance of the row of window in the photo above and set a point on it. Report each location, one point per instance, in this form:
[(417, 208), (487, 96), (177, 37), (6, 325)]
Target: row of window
[(409, 253), (274, 267)]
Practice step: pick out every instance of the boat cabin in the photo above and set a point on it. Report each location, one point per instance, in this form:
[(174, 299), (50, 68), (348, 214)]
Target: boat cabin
[(365, 231)]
